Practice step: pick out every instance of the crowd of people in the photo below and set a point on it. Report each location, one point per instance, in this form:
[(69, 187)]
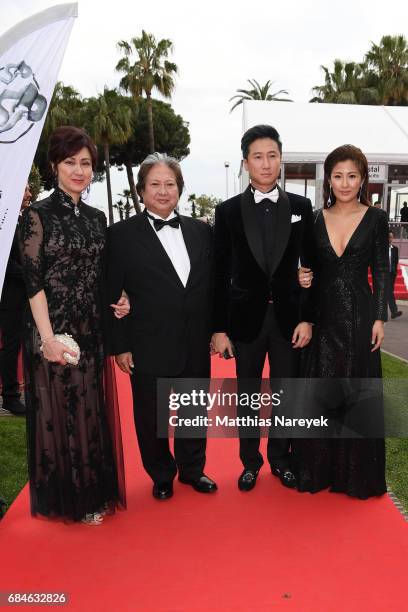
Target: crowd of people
[(157, 290)]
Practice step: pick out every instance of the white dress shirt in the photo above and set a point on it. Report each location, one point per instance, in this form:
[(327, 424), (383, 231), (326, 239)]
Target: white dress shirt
[(173, 243)]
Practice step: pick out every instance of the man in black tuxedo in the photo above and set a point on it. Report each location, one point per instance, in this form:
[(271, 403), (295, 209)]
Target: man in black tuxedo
[(163, 261), (404, 213), (12, 303), (393, 261), (260, 237)]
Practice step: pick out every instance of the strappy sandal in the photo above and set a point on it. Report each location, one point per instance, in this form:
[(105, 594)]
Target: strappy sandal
[(95, 518)]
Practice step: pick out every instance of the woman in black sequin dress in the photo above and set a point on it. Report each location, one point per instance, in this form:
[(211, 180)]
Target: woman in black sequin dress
[(350, 236), (74, 441)]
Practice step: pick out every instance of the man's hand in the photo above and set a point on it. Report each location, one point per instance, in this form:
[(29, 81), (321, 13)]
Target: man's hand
[(305, 277), (125, 362), (302, 335), (377, 335), (220, 343), (122, 308)]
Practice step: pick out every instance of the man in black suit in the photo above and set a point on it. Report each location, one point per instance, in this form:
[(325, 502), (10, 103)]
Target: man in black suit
[(404, 213), (260, 236), (404, 219), (393, 259), (13, 301), (164, 263)]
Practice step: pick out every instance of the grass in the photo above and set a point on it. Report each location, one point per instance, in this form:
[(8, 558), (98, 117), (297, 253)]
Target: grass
[(397, 448), (13, 457), (13, 463), (393, 368)]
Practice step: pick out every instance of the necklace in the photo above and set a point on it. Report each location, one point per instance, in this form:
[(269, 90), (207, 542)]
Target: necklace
[(66, 200)]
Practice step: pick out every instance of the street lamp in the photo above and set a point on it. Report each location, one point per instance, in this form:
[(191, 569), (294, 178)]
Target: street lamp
[(226, 164)]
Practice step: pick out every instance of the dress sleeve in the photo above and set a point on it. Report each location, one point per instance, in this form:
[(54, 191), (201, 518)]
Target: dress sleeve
[(380, 267), (32, 254)]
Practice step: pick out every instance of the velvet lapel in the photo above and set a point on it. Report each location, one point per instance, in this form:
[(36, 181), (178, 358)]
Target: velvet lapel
[(282, 230), (251, 227), (191, 246), (159, 252)]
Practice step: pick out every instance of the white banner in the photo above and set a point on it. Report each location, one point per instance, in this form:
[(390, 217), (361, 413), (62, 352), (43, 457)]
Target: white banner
[(30, 58)]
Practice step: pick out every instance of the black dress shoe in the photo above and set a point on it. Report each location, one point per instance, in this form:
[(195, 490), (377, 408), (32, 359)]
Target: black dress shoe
[(396, 314), (247, 480), (163, 490), (286, 476), (14, 405), (202, 484)]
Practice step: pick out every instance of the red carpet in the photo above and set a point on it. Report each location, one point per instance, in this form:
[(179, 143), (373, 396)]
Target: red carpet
[(271, 549), (400, 287)]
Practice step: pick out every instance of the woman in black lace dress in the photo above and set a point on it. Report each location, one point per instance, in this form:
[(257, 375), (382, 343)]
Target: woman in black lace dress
[(350, 236), (74, 442)]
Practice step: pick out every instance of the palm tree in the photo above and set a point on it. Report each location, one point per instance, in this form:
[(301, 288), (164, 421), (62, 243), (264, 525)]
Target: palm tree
[(127, 207), (65, 108), (259, 92), (389, 62), (192, 198), (110, 123), (347, 83), (119, 207), (151, 70)]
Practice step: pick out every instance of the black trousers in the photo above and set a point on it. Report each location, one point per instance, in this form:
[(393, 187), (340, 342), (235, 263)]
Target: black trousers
[(391, 298), (11, 333), (250, 360), (189, 453)]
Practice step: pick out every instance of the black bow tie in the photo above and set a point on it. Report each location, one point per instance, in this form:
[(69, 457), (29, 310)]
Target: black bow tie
[(159, 223)]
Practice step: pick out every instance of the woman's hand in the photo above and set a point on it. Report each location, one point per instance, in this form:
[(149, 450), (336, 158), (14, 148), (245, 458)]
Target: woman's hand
[(377, 335), (305, 277), (221, 343), (302, 335), (53, 351), (122, 308)]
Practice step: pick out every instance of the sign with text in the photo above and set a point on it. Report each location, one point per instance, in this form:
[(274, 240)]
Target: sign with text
[(377, 172)]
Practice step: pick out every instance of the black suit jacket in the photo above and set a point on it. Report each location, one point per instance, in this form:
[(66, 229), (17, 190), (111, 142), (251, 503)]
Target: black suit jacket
[(169, 324), (394, 259), (243, 285), (404, 215), (14, 294)]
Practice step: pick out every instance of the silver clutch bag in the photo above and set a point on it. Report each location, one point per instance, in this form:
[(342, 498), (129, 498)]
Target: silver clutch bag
[(69, 342)]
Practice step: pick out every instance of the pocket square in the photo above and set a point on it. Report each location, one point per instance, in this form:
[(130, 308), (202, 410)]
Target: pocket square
[(295, 218)]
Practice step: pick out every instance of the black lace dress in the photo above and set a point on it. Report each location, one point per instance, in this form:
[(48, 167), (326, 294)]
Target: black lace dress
[(74, 444), (341, 349)]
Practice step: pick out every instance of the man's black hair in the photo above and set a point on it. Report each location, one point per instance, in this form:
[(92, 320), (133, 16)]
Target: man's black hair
[(256, 132)]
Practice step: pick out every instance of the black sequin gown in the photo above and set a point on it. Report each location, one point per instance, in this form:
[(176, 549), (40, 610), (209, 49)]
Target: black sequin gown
[(341, 349), (75, 455)]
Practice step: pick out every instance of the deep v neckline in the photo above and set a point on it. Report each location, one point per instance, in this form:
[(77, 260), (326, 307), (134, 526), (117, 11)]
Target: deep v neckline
[(349, 240)]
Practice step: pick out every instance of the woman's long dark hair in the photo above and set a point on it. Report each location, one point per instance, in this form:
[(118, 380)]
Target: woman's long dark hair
[(345, 153)]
